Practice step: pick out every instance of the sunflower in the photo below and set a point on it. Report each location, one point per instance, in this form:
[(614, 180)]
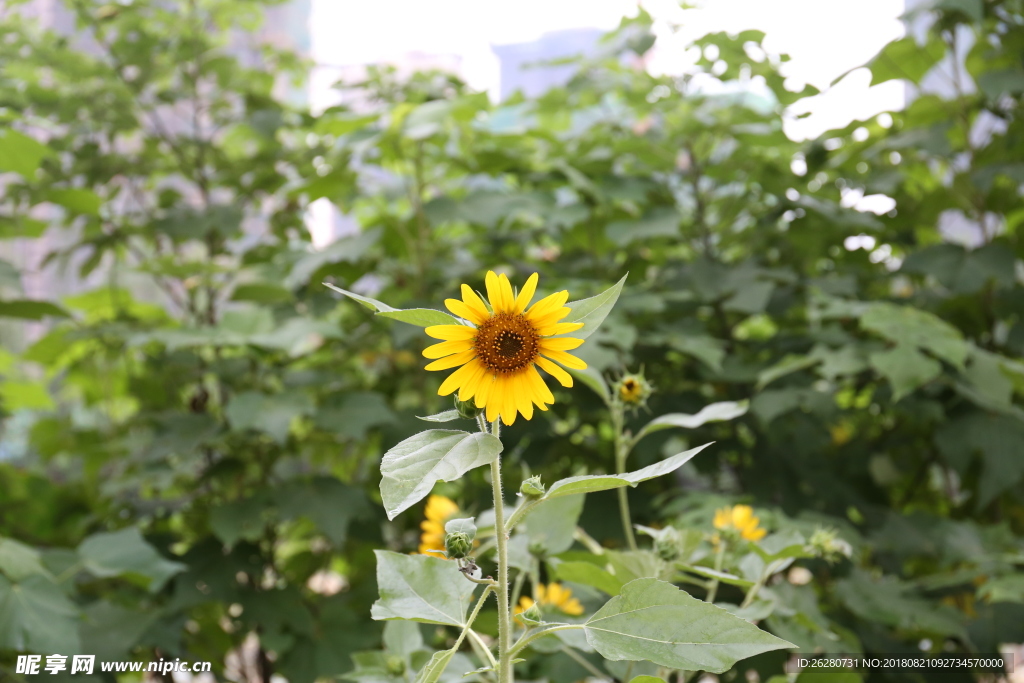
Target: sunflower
[(552, 595), (497, 353), (438, 511), (741, 519)]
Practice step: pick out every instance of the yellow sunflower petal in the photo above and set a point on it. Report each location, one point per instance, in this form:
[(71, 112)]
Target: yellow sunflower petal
[(449, 362), (508, 299), (458, 378), (741, 515), (565, 359), (463, 310), (551, 317), (472, 385), (541, 592), (493, 286), (493, 400), (539, 387), (723, 518), (447, 348), (563, 377), (547, 304), (526, 294), (450, 332), (439, 509), (560, 344), (484, 392), (558, 328), (473, 300), (508, 404), (522, 396)]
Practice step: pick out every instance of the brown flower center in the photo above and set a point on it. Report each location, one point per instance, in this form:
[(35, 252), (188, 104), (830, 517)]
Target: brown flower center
[(507, 343)]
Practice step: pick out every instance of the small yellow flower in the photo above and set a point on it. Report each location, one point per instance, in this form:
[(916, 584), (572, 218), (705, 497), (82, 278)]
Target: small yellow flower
[(438, 511), (631, 391), (740, 518), (552, 595), (497, 354)]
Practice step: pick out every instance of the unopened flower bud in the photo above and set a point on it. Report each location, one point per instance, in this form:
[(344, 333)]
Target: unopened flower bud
[(633, 389), (531, 616), (532, 488), (458, 545), (667, 545), (396, 665), (466, 409), (826, 544), (537, 549)]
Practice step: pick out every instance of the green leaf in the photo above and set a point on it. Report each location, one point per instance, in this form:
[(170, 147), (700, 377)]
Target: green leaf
[(435, 667), (262, 293), (421, 317), (647, 679), (402, 637), (552, 523), (724, 577), (31, 310), (77, 200), (126, 553), (716, 412), (412, 467), (913, 327), (36, 617), (661, 222), (593, 379), (603, 482), (325, 501), (655, 621), (421, 588), (788, 365), (20, 153), (906, 368), (905, 59), (592, 312), (18, 561), (446, 416), (589, 574), (996, 438), (241, 519), (270, 413), (1009, 588)]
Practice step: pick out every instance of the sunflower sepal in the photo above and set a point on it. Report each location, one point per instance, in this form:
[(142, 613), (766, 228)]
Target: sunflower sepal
[(444, 416)]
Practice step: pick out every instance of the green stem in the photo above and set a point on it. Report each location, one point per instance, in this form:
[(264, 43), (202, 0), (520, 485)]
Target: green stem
[(501, 538), (752, 593), (621, 451), (719, 556), (534, 634), (472, 616), (481, 648)]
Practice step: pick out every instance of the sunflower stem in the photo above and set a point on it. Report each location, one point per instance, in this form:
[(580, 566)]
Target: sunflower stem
[(622, 446), (719, 557), (501, 536)]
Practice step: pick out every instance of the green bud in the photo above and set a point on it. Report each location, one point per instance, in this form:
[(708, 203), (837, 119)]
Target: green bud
[(467, 409), (537, 549), (667, 544), (826, 544), (458, 545), (531, 616), (532, 488), (633, 389), (396, 665)]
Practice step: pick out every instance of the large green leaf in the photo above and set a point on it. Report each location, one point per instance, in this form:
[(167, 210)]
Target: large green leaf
[(413, 466), (18, 561), (31, 310), (270, 413), (905, 59), (592, 312), (906, 368), (35, 616), (589, 574), (655, 621), (421, 588), (421, 317), (716, 412), (126, 553), (603, 482), (20, 153), (435, 667), (913, 327)]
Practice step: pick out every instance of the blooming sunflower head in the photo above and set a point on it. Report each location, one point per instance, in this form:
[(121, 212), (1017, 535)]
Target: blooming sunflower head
[(739, 520), (498, 351), (438, 511), (552, 597)]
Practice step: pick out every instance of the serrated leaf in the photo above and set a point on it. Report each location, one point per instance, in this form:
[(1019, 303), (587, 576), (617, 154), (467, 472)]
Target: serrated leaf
[(603, 482), (655, 621), (592, 312), (421, 317), (126, 553), (413, 466), (716, 412), (35, 616), (421, 588), (446, 416)]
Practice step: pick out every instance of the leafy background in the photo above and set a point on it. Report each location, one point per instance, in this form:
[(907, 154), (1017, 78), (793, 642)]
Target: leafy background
[(190, 444)]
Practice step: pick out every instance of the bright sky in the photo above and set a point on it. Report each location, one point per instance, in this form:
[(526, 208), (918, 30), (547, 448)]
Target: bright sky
[(825, 39)]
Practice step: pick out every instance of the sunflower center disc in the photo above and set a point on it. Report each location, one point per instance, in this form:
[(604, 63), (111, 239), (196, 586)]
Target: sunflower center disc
[(507, 343)]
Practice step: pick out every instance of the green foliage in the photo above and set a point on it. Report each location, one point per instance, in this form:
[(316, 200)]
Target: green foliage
[(193, 438)]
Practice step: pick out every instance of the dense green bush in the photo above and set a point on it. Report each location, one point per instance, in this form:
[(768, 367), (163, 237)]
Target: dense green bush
[(191, 448)]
